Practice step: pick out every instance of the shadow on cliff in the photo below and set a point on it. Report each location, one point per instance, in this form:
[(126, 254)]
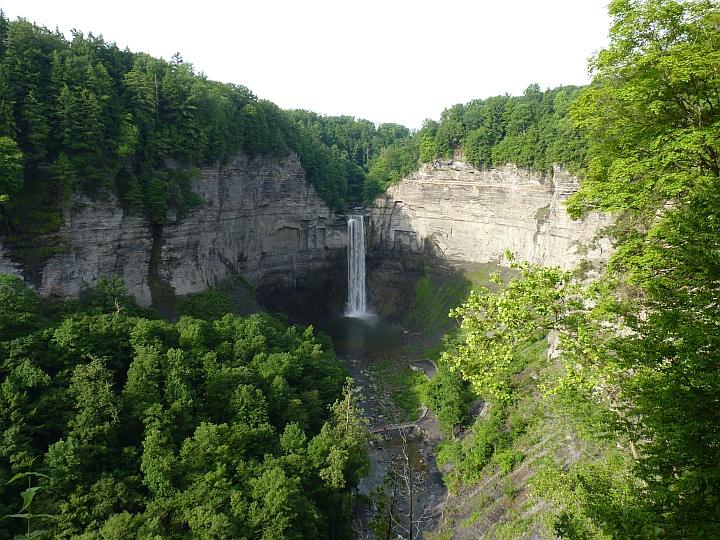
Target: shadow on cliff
[(397, 257), (313, 295)]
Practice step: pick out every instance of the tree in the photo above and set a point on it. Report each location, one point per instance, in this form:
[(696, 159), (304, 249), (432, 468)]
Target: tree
[(652, 112), (449, 397), (11, 160), (494, 324), (648, 350), (20, 311), (340, 450)]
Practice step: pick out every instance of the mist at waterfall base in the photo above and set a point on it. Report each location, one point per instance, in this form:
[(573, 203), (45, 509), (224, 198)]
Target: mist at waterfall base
[(359, 330)]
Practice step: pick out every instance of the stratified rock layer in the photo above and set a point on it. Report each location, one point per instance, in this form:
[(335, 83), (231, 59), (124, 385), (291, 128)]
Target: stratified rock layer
[(260, 218), (463, 214)]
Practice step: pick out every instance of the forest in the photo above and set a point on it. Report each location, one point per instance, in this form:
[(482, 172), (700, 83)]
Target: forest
[(117, 423), (83, 116), (533, 131), (633, 384)]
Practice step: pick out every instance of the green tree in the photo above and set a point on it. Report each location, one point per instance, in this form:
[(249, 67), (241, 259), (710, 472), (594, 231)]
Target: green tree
[(20, 311), (494, 324), (651, 114), (340, 448), (646, 353), (11, 160)]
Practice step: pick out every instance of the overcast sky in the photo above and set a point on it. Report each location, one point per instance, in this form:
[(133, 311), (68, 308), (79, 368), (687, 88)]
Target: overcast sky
[(384, 60)]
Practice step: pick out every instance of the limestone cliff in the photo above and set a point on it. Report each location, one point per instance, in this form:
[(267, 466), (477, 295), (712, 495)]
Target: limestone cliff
[(259, 218), (464, 214)]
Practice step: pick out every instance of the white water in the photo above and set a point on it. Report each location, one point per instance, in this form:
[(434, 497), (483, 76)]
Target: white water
[(356, 304)]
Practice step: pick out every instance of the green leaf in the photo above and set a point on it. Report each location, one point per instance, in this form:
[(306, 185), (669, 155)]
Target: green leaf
[(25, 474), (30, 516), (27, 496)]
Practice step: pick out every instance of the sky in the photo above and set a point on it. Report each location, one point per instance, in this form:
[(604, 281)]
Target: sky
[(384, 60)]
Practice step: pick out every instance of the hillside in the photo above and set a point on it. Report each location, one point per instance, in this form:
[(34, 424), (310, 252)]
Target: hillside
[(151, 218)]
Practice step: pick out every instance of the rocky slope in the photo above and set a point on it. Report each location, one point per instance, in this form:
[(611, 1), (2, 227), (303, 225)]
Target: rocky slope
[(259, 218), (463, 214)]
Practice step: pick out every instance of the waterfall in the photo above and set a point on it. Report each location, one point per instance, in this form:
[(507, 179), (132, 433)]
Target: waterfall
[(356, 304)]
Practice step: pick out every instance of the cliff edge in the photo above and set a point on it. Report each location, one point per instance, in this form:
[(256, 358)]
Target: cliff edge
[(460, 213)]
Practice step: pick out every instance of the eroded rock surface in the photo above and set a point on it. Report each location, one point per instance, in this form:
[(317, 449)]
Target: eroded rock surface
[(463, 214), (260, 218)]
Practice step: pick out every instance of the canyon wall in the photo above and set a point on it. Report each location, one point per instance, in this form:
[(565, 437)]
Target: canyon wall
[(460, 213), (259, 218)]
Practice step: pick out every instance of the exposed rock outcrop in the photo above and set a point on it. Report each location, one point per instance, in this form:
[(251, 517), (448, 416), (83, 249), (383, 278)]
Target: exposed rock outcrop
[(260, 218), (463, 214)]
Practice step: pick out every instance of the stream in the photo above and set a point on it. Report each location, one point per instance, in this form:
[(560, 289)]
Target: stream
[(401, 450)]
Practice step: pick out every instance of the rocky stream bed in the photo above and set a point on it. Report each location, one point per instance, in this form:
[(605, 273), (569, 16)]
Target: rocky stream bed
[(404, 479)]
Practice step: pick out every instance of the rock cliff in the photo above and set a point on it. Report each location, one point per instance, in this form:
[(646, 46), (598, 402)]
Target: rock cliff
[(463, 214), (259, 218)]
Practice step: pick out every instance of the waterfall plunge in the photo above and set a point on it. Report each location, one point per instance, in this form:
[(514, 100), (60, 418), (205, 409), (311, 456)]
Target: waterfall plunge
[(356, 304)]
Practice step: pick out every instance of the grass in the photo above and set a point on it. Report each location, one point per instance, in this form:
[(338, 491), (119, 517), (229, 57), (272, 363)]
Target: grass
[(472, 519), (433, 300), (442, 289)]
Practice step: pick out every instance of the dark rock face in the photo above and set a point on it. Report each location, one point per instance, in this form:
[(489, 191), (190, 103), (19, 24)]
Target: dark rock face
[(260, 218), (312, 296), (391, 278)]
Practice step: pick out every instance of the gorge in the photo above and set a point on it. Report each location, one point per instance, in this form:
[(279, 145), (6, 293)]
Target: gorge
[(260, 219), (221, 319)]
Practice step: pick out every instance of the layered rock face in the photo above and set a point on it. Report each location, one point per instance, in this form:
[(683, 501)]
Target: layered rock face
[(260, 218), (463, 214)]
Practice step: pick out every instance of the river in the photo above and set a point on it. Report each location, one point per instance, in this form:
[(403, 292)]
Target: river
[(401, 452)]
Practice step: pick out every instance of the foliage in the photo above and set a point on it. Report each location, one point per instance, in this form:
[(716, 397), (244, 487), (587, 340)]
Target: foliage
[(638, 375), (498, 438), (237, 427), (595, 498), (360, 143), (10, 168), (19, 307), (108, 296), (449, 397), (645, 355), (532, 131), (209, 304), (494, 325), (652, 113), (28, 496), (83, 116), (470, 455), (396, 161)]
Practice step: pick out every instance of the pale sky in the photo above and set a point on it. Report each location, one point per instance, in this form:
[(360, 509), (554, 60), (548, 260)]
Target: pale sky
[(384, 60)]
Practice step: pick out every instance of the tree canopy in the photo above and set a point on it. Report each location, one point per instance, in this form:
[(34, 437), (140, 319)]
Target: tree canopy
[(83, 116), (136, 427), (638, 349)]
